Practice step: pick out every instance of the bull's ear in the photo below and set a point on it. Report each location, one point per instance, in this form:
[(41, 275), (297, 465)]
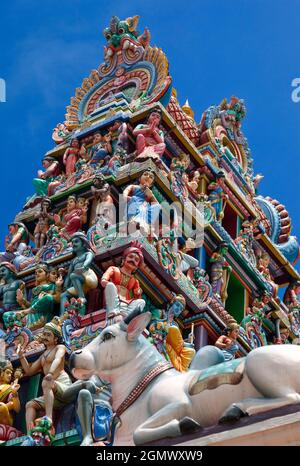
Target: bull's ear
[(137, 325)]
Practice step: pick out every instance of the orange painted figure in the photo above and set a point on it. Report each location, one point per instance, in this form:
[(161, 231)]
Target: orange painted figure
[(122, 290)]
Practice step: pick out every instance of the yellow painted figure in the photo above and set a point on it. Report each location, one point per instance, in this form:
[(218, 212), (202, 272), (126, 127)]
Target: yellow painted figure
[(9, 399)]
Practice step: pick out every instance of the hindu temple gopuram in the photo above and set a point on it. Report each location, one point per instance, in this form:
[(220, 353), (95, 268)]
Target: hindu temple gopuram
[(147, 290)]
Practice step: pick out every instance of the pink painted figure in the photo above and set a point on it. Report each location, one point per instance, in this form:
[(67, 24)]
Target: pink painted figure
[(72, 217), (71, 156), (149, 138)]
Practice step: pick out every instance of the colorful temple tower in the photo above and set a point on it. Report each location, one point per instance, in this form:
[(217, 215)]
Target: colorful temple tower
[(138, 206)]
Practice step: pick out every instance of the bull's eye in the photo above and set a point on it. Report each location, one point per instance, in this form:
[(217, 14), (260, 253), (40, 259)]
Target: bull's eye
[(107, 336)]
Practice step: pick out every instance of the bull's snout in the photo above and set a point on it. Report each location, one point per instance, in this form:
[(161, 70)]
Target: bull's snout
[(82, 364)]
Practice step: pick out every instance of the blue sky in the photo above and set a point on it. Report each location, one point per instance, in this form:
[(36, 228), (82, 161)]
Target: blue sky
[(216, 48)]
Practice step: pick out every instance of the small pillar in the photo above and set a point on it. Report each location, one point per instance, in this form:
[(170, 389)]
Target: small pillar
[(201, 337)]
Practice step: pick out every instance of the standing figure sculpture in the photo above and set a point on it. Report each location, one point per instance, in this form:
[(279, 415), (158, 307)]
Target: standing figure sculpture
[(45, 219), (142, 206), (71, 156), (216, 195), (103, 211), (150, 139), (245, 240), (52, 170), (263, 267), (56, 381), (122, 290), (8, 288), (178, 177), (80, 278), (220, 271)]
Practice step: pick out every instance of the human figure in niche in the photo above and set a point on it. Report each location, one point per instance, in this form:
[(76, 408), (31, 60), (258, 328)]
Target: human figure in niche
[(80, 277)]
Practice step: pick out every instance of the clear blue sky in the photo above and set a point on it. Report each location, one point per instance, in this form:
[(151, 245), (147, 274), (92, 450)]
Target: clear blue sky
[(216, 48)]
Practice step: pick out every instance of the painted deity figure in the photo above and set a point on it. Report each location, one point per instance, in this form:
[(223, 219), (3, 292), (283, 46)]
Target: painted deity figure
[(122, 290), (180, 352), (227, 342), (16, 242), (45, 219), (40, 309), (51, 171), (245, 240), (103, 212), (142, 206), (263, 267), (71, 156), (80, 278), (100, 150), (9, 398), (199, 278), (178, 177), (252, 322), (9, 286), (193, 184), (56, 380), (150, 139), (216, 195), (220, 271), (71, 219), (93, 409), (119, 136), (290, 297)]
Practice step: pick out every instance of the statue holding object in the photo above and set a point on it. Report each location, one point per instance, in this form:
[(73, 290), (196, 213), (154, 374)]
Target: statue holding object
[(220, 272)]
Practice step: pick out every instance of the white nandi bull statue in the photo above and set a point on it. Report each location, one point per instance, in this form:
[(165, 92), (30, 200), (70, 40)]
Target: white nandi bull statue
[(155, 401)]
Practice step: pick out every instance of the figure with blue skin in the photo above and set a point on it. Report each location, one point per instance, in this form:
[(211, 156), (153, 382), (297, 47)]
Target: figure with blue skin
[(81, 277), (100, 149), (216, 195), (9, 288), (142, 206), (94, 411)]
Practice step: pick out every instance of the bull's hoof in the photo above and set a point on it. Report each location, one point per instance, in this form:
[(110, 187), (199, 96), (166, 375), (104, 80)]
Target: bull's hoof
[(232, 415), (187, 425)]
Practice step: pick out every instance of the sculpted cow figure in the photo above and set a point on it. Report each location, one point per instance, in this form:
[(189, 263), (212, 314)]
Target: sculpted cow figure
[(155, 401)]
